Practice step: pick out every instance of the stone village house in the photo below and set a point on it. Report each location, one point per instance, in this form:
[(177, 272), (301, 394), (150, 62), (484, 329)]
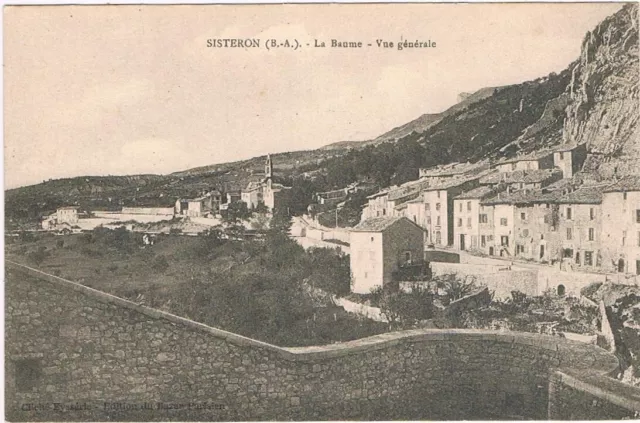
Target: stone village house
[(380, 248)]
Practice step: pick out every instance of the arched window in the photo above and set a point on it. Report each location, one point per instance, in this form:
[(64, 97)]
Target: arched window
[(561, 290)]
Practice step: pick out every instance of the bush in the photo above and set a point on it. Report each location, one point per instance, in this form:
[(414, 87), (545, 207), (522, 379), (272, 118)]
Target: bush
[(26, 236), (38, 256), (454, 286), (160, 264), (93, 253), (405, 309), (590, 290)]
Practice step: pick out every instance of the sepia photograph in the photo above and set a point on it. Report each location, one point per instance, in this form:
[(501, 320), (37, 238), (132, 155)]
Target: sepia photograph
[(321, 212)]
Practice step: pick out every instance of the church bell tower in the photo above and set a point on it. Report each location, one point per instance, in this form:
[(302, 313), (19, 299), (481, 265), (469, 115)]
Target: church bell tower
[(268, 171)]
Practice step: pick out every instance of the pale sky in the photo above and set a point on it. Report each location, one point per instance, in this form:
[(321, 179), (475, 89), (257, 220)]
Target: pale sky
[(97, 90)]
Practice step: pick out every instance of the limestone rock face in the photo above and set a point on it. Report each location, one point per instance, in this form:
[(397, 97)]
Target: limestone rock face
[(603, 111)]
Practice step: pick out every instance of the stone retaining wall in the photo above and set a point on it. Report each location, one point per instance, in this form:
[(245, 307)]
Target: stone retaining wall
[(501, 280), (104, 358)]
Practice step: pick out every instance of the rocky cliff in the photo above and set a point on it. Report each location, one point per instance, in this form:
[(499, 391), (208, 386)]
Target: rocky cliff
[(603, 111)]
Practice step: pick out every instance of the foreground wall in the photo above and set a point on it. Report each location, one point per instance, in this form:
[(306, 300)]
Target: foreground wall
[(74, 353)]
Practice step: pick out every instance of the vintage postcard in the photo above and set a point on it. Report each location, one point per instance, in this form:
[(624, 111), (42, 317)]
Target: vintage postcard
[(322, 212)]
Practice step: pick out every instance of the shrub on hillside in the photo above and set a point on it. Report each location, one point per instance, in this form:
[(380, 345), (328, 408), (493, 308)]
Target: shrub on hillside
[(405, 309), (38, 256), (160, 264)]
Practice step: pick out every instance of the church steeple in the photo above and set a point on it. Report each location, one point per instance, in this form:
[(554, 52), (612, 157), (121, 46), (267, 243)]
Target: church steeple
[(268, 168)]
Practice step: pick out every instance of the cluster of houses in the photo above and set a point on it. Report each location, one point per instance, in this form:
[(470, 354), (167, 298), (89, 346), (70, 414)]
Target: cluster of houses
[(208, 204), (533, 207)]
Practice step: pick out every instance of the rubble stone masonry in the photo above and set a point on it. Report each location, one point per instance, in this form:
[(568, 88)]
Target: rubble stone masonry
[(77, 354)]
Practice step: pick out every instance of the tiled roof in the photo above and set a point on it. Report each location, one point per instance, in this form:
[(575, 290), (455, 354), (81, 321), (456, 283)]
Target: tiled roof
[(540, 154), (450, 183), (378, 224), (379, 193), (521, 176), (537, 155), (454, 169), (252, 186), (583, 195), (519, 197), (398, 194), (629, 183), (478, 193)]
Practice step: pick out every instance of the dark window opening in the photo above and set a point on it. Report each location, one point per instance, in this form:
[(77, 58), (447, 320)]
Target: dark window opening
[(561, 290), (588, 258)]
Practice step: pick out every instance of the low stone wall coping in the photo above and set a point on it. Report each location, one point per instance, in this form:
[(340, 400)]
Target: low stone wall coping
[(600, 386)]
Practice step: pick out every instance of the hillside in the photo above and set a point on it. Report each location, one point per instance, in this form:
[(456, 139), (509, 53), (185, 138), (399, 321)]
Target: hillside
[(594, 101), (420, 124), (426, 121)]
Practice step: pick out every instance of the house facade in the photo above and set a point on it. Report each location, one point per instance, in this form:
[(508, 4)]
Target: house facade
[(252, 195), (535, 229), (438, 213), (210, 202), (67, 214), (468, 218), (536, 161), (570, 159), (382, 246), (377, 205), (621, 227)]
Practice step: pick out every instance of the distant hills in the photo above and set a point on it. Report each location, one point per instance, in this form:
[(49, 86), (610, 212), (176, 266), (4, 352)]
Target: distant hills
[(420, 124), (594, 101)]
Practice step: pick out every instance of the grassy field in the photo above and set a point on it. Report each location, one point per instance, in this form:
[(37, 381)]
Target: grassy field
[(256, 287)]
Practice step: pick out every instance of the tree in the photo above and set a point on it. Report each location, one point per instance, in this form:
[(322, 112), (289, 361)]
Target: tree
[(405, 309), (260, 222), (261, 208), (236, 212), (38, 256), (454, 286), (160, 264), (280, 221), (330, 270)]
